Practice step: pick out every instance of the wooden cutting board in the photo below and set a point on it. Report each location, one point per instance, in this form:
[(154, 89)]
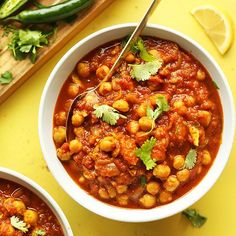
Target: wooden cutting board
[(22, 70)]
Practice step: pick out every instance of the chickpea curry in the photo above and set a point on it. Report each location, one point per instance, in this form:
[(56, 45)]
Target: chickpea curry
[(149, 134), (24, 213)]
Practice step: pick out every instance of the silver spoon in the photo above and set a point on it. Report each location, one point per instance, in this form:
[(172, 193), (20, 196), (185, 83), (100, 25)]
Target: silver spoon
[(138, 30)]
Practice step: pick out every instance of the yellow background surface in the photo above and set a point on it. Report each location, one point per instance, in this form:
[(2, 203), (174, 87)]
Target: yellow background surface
[(19, 142)]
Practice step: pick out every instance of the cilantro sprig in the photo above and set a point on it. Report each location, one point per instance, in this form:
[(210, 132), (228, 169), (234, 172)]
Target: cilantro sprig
[(195, 218), (142, 72), (162, 106), (26, 42), (144, 153), (6, 78), (108, 114), (18, 224), (190, 159)]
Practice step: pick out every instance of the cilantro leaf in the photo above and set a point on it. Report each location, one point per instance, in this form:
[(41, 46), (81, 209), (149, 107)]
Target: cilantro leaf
[(18, 224), (108, 114), (6, 78), (142, 72), (195, 218), (190, 159), (40, 232), (26, 42), (144, 54), (162, 105), (144, 153), (143, 180)]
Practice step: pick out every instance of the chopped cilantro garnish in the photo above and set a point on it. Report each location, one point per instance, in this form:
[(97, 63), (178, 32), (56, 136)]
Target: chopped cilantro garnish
[(142, 72), (195, 218), (6, 78), (108, 114), (144, 153), (18, 224), (190, 159)]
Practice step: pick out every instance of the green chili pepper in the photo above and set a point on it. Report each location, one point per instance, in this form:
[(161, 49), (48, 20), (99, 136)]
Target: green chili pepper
[(10, 6), (52, 13)]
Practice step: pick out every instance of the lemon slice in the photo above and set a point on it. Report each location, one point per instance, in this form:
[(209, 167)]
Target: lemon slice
[(217, 26)]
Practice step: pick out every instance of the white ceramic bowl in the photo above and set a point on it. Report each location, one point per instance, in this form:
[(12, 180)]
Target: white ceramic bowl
[(49, 98), (41, 193)]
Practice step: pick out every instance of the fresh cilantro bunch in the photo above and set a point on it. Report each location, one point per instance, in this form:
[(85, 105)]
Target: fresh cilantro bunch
[(144, 153), (162, 106), (26, 42), (142, 72), (108, 114), (195, 218)]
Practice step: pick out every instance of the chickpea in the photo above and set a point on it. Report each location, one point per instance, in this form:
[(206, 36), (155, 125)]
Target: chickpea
[(189, 101), (67, 104), (103, 193), (121, 189), (123, 199), (132, 127), (102, 71), (180, 107), (83, 69), (183, 175), (59, 134), (108, 144), (171, 183), (201, 75), (178, 162), (161, 171), (165, 197), (115, 84), (73, 90), (60, 118), (7, 229), (145, 123), (14, 206), (77, 119), (63, 152), (147, 200), (155, 53), (130, 58), (111, 191), (142, 110), (81, 179), (206, 157), (30, 217), (75, 146), (204, 117), (121, 105), (153, 187), (105, 88)]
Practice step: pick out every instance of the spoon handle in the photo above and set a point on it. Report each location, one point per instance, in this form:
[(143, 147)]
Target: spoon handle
[(138, 30)]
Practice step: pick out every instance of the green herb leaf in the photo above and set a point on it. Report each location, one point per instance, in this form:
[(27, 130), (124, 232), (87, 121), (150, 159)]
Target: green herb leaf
[(143, 181), (195, 218), (26, 42), (40, 232), (144, 54), (144, 153), (6, 78), (215, 84), (142, 72), (190, 159), (162, 106), (108, 114), (18, 224)]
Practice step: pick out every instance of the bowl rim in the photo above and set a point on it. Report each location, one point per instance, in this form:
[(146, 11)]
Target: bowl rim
[(138, 215), (31, 185)]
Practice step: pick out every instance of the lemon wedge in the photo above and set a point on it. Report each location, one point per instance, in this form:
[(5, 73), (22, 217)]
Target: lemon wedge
[(217, 26)]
